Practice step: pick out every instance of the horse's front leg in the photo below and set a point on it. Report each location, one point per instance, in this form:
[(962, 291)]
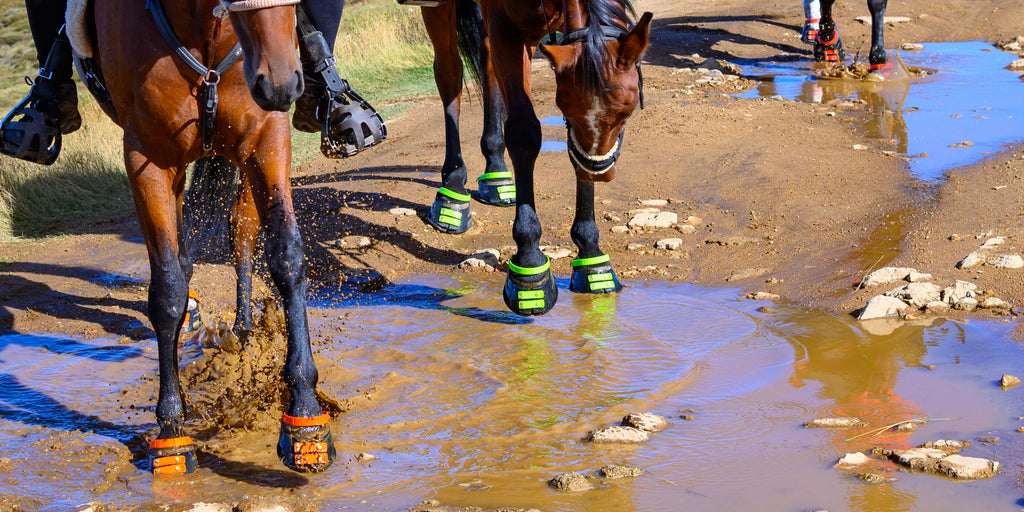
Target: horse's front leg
[(305, 443), (156, 206), (245, 227), (450, 212), (877, 57), (829, 47), (495, 186), (592, 269)]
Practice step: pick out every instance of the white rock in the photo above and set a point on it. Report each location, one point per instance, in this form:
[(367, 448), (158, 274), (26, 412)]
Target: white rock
[(556, 253), (1006, 261), (686, 229), (994, 302), (654, 220), (693, 220), (648, 422), (892, 21), (209, 507), (883, 306), (840, 422), (1008, 381), (887, 275), (959, 291), (366, 457), (620, 229), (363, 242), (634, 246), (618, 434), (967, 304), (671, 244), (482, 259), (912, 47), (1017, 65), (917, 294), (972, 260), (654, 202), (917, 277), (967, 468), (638, 211), (995, 241), (722, 65), (860, 147), (407, 212), (853, 459), (761, 296), (936, 307)]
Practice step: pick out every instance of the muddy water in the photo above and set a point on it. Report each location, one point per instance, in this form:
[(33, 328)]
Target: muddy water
[(467, 404), (969, 100)]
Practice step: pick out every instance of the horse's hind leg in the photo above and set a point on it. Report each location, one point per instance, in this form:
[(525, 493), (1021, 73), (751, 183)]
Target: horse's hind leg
[(305, 443), (877, 57), (829, 47), (156, 206), (450, 212), (592, 269), (244, 229), (495, 186)]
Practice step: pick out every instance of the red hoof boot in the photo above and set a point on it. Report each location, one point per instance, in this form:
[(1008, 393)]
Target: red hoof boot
[(174, 456), (305, 444)]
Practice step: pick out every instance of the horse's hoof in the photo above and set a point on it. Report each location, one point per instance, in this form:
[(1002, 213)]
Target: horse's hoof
[(305, 444), (496, 189), (525, 294), (594, 275), (831, 51), (193, 320), (174, 456), (450, 212)]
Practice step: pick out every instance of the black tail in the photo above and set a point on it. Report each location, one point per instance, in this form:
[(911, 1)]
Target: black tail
[(471, 32), (207, 209)]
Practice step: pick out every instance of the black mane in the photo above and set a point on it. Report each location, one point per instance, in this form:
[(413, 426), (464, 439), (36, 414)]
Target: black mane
[(602, 15)]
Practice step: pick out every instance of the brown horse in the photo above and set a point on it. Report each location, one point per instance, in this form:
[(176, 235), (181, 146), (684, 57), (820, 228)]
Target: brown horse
[(155, 97), (597, 74)]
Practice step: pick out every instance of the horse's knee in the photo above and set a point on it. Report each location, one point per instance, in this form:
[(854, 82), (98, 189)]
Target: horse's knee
[(285, 261), (168, 294), (584, 232)]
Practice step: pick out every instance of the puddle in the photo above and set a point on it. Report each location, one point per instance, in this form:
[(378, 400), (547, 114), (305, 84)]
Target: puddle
[(554, 145), (467, 404), (969, 99)]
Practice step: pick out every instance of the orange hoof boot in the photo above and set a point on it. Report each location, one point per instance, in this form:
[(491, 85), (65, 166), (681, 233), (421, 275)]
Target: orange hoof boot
[(174, 456), (305, 444)]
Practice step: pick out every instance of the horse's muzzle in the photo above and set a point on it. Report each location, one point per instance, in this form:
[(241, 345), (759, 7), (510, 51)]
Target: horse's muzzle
[(590, 168), (278, 96)]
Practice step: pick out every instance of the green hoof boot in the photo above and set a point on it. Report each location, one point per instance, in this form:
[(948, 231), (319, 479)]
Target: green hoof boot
[(535, 297), (305, 444), (496, 189), (594, 275), (450, 212)]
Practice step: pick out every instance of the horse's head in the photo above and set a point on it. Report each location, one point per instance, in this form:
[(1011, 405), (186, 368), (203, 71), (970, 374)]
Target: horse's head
[(270, 62), (598, 80)]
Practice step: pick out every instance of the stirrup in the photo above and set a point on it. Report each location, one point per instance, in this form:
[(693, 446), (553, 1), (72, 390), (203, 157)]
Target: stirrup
[(34, 136)]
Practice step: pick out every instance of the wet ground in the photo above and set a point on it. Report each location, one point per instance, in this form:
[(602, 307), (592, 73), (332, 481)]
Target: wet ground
[(467, 404)]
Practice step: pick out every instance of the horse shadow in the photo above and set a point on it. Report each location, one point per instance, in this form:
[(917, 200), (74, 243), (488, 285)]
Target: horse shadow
[(673, 37)]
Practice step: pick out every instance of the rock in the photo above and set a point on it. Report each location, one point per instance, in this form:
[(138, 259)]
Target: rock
[(917, 277), (917, 294), (1006, 261), (670, 244), (365, 457), (635, 246), (487, 258), (853, 459), (570, 482), (988, 440), (363, 242), (994, 303), (400, 212), (883, 306), (721, 65), (730, 240), (886, 275), (1008, 381), (1017, 65), (967, 468), (912, 47), (948, 445), (613, 472), (620, 229), (209, 507), (995, 241), (654, 202), (839, 422), (638, 211), (1013, 44), (972, 260), (964, 144), (875, 478), (747, 273), (968, 304), (611, 217), (686, 229), (906, 426), (617, 434), (556, 253), (654, 220), (892, 21), (761, 296), (693, 220), (645, 421), (936, 307), (959, 291), (860, 147)]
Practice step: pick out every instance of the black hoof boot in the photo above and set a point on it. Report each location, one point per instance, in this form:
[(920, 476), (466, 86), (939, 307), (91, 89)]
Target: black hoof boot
[(305, 444), (530, 291), (831, 51), (496, 189), (174, 456), (594, 275), (450, 212)]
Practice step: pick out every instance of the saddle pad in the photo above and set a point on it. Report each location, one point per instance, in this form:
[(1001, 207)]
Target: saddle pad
[(74, 19)]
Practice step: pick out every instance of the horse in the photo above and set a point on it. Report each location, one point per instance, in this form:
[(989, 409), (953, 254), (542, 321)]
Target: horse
[(599, 86), (171, 116), (828, 46)]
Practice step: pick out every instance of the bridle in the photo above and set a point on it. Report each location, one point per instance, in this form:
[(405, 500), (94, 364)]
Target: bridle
[(594, 165), (209, 78)]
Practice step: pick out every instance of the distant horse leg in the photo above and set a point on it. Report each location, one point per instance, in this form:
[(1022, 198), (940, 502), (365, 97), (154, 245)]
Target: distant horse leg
[(451, 211), (829, 47), (812, 21), (530, 286), (495, 186), (877, 57), (305, 443), (592, 270), (244, 229), (172, 452)]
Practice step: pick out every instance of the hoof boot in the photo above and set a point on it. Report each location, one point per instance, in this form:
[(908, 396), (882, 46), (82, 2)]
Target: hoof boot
[(527, 295), (305, 444), (496, 189), (594, 275), (831, 52), (450, 212), (174, 456)]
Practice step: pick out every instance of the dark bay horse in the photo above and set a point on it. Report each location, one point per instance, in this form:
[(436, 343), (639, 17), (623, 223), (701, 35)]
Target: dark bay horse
[(156, 98), (597, 74), (828, 47)]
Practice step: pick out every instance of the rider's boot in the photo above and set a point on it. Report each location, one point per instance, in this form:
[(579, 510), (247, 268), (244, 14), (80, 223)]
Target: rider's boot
[(32, 129), (347, 123)]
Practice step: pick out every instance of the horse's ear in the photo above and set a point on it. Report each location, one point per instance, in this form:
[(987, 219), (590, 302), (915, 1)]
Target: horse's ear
[(561, 57), (635, 42)]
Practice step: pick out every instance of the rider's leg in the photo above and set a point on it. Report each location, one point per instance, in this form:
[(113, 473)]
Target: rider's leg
[(347, 122), (812, 19), (28, 132)]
